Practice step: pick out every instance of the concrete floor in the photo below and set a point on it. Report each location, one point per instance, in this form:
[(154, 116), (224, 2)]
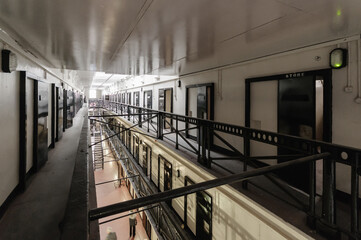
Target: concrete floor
[(37, 213), (110, 193)]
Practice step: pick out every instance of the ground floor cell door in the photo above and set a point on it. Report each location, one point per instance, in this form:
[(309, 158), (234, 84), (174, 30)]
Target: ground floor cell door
[(41, 101), (60, 114), (204, 216), (147, 160), (165, 175)]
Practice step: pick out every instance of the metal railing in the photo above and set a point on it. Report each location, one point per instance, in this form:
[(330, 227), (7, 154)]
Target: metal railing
[(156, 120), (164, 222)]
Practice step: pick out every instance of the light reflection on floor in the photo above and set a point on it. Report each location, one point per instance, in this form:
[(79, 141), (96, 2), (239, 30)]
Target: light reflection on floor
[(108, 194)]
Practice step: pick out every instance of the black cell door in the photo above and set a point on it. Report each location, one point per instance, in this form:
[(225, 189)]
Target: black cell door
[(168, 178), (147, 100), (199, 104), (296, 116), (297, 104), (41, 101), (70, 109), (60, 110), (165, 103), (204, 216), (136, 99)]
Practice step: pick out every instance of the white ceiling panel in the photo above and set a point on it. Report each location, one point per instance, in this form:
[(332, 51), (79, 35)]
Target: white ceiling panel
[(171, 37)]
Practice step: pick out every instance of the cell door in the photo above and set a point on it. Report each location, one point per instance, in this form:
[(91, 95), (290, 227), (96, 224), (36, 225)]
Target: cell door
[(165, 103), (65, 109), (136, 99), (293, 104), (165, 174), (199, 104), (296, 116), (204, 216), (168, 106), (136, 148), (190, 207), (41, 101), (70, 109), (129, 98), (147, 160), (147, 100), (60, 111)]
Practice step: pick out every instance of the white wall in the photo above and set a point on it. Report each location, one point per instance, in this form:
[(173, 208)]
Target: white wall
[(9, 119), (230, 94), (234, 216), (9, 137)]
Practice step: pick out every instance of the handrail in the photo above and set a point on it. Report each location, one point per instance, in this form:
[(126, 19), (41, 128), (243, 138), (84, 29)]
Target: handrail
[(272, 138), (337, 153), (113, 209)]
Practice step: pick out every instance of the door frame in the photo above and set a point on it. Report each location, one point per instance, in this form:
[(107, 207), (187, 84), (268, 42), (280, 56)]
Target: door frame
[(171, 173), (144, 100), (171, 104), (327, 97), (211, 114), (191, 182), (327, 100)]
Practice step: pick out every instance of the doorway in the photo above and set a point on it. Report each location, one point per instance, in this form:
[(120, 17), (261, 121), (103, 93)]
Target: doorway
[(147, 160), (199, 104), (165, 176), (147, 102), (59, 119), (136, 99), (136, 148), (204, 216), (189, 207), (40, 135), (165, 103), (297, 104)]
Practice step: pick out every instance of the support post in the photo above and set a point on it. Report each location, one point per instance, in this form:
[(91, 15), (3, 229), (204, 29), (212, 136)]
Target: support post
[(140, 117), (246, 153), (128, 111), (354, 197), (327, 223), (176, 132), (311, 218), (160, 121), (148, 116)]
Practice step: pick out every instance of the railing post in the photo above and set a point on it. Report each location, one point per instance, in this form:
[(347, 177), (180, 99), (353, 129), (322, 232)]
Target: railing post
[(208, 141), (328, 220), (199, 143), (140, 117), (354, 197), (202, 142), (148, 116), (160, 118), (128, 110), (246, 153), (176, 132), (311, 218)]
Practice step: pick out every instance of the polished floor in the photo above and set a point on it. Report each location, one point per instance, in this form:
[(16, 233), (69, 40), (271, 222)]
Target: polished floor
[(37, 213), (110, 193)]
